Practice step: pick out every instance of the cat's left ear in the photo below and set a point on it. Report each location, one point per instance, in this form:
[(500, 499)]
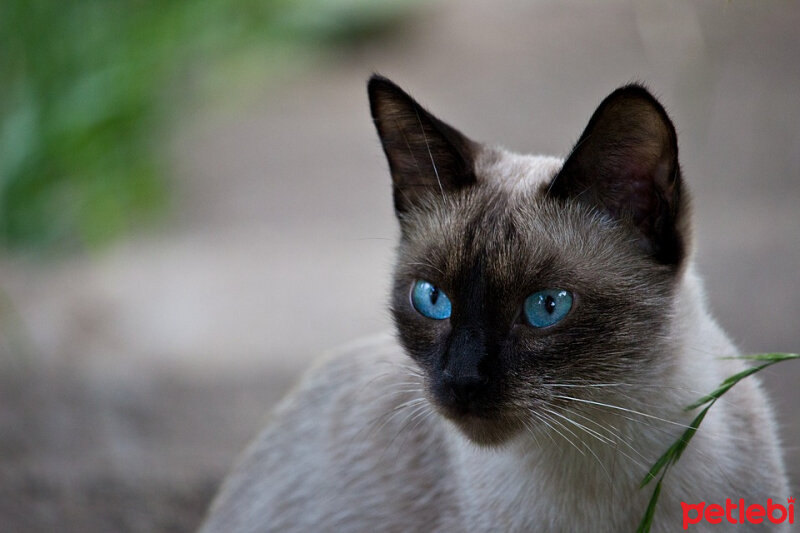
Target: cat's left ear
[(626, 164), (427, 158)]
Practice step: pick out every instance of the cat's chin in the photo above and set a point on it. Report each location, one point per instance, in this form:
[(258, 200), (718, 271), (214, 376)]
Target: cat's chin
[(485, 431)]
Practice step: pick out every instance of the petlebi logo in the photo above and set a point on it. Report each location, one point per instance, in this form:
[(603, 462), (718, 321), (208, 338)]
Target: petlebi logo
[(738, 513)]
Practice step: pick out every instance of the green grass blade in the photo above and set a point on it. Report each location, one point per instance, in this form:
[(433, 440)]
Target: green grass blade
[(680, 445), (744, 373), (734, 379), (647, 519), (710, 397), (774, 357), (656, 468)]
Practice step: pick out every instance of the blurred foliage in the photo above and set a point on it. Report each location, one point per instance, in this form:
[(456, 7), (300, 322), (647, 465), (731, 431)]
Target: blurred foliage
[(88, 86)]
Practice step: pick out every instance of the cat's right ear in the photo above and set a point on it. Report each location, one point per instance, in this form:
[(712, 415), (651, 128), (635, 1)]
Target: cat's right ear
[(426, 156), (626, 165)]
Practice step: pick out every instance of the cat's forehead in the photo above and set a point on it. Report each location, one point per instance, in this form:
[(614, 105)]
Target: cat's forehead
[(505, 206), (515, 173), (506, 224)]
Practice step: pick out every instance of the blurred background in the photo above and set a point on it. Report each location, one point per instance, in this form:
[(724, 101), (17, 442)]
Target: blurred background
[(194, 204)]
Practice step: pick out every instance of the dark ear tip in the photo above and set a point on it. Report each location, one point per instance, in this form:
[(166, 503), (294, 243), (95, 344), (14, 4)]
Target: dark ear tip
[(640, 101), (636, 88), (378, 84), (382, 92), (634, 91), (378, 79), (638, 91)]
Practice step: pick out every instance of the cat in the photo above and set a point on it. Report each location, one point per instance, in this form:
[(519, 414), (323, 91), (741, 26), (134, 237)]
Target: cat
[(550, 330)]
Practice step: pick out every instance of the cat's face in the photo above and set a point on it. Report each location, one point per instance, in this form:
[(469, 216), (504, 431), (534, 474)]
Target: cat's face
[(514, 294)]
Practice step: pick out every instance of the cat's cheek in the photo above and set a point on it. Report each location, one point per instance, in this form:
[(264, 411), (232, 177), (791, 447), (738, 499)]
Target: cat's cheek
[(529, 344), (423, 338)]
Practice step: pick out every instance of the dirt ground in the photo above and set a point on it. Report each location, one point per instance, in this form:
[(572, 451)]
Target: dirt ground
[(132, 378)]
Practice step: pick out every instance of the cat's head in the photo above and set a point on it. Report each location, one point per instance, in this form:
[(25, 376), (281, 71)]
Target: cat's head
[(521, 281)]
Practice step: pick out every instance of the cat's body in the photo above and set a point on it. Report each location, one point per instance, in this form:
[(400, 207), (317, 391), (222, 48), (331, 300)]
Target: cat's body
[(493, 424)]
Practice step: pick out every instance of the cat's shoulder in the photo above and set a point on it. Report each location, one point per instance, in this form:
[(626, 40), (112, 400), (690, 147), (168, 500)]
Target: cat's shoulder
[(353, 443), (364, 374)]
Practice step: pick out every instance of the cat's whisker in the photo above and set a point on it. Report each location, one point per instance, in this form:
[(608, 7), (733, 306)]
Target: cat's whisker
[(420, 418), (410, 386), (589, 448), (414, 387), (528, 427), (662, 429), (534, 430), (617, 407), (590, 431), (667, 431), (367, 386), (404, 426), (404, 391), (615, 439), (380, 376), (411, 370), (545, 418), (552, 430), (708, 456), (612, 440), (622, 440), (410, 403), (389, 415), (637, 421), (585, 385), (612, 436)]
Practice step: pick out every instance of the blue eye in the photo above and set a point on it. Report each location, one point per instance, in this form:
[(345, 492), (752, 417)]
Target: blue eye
[(430, 301), (545, 308)]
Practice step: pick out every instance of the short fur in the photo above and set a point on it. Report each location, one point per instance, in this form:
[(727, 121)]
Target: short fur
[(481, 422)]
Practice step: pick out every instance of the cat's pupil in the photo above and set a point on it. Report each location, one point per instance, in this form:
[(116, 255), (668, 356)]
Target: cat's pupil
[(434, 295), (550, 304)]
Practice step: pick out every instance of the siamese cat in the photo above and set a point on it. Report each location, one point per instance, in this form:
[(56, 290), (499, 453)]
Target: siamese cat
[(550, 331)]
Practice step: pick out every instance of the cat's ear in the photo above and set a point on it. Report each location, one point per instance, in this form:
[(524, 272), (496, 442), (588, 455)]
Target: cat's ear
[(426, 156), (626, 164)]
